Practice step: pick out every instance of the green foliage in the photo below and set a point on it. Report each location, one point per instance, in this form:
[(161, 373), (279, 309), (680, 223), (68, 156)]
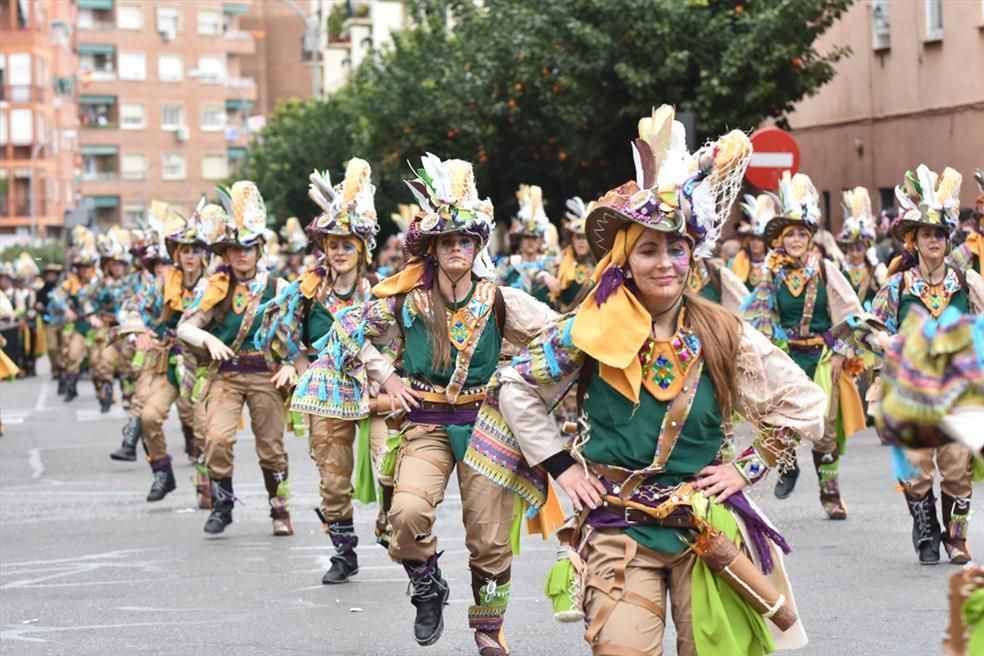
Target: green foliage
[(546, 92), (52, 251)]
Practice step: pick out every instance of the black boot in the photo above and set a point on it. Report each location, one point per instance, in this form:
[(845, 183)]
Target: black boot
[(345, 562), (62, 383), (222, 502), (132, 432), (163, 479), (926, 532), (429, 593), (71, 387), (105, 394), (787, 481)]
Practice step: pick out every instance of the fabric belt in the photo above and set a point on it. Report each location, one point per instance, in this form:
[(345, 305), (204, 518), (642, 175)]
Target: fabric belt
[(245, 363)]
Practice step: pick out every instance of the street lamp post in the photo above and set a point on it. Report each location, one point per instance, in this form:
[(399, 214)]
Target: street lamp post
[(312, 42)]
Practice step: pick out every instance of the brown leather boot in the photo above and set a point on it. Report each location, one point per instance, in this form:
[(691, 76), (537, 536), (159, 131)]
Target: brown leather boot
[(278, 489), (491, 594), (828, 473), (956, 519)]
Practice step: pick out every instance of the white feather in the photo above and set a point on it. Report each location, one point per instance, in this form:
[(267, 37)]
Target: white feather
[(438, 173), (483, 267), (926, 183)]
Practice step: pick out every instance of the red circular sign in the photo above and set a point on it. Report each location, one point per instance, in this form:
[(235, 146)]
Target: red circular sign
[(773, 151)]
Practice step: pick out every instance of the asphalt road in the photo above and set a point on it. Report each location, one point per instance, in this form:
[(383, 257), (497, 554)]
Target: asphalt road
[(87, 566)]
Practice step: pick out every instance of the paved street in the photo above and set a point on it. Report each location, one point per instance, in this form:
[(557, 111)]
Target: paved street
[(88, 567)]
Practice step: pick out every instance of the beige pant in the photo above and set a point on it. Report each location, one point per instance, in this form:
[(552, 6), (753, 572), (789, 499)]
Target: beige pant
[(54, 339), (423, 466), (227, 394), (74, 349), (828, 442), (330, 445), (953, 461), (154, 410), (625, 597), (104, 360)]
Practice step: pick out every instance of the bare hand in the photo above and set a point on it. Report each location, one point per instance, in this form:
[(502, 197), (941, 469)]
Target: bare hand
[(836, 367), (217, 349), (582, 489), (286, 375), (145, 341), (70, 315), (551, 282), (96, 322), (721, 480), (401, 394)]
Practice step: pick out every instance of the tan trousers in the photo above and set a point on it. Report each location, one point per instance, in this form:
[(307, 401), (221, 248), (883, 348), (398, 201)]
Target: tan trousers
[(423, 467), (154, 410), (227, 394), (953, 461), (104, 360), (828, 442), (330, 445), (625, 597), (74, 349), (54, 339)]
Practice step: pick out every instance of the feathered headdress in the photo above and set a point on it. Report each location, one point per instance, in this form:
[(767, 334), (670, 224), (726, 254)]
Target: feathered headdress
[(191, 231), (531, 219), (162, 220), (84, 251), (859, 223), (25, 267), (403, 216), (348, 209), (979, 204), (759, 210), (928, 199), (115, 244), (576, 214), (245, 211), (294, 236), (674, 191), (798, 204)]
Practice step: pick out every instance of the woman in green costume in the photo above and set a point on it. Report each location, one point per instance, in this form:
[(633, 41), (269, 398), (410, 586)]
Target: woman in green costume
[(800, 300), (649, 469)]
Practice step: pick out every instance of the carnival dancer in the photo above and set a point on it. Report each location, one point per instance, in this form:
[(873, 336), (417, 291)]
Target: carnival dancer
[(104, 354), (795, 306), (969, 256), (573, 281), (921, 277), (158, 386), (76, 302), (224, 319), (451, 320), (51, 276), (8, 368), (11, 329), (857, 237), (295, 246), (681, 364), (528, 269), (344, 234), (26, 274), (749, 263)]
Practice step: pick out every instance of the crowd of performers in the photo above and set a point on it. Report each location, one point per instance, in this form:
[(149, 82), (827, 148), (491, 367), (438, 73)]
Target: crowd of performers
[(613, 361)]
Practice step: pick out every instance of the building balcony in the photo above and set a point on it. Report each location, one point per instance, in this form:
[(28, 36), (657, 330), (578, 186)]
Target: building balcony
[(238, 42), (97, 26), (23, 94), (242, 88), (100, 176)]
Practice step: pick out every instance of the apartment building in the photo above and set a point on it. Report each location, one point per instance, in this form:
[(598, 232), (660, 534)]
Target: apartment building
[(38, 118), (352, 31), (911, 92), (163, 102)]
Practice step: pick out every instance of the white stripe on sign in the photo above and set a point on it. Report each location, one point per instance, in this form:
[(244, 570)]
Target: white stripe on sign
[(771, 160)]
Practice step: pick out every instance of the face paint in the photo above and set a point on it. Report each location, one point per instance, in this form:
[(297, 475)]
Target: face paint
[(455, 252), (343, 253)]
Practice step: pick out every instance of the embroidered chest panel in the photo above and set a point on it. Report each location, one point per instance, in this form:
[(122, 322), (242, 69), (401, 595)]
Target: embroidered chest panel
[(797, 279), (936, 298), (582, 272), (463, 322), (666, 362), (243, 294)]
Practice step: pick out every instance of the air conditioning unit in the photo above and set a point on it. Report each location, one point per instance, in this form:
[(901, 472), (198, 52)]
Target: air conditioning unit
[(183, 133), (168, 34)]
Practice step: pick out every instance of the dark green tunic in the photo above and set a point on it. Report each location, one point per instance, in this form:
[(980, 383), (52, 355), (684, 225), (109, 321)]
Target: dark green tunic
[(790, 314)]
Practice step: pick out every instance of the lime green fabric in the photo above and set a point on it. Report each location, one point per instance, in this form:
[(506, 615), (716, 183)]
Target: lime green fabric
[(626, 437), (558, 584), (823, 377), (363, 482), (790, 314), (417, 353), (228, 328), (724, 623), (972, 614)]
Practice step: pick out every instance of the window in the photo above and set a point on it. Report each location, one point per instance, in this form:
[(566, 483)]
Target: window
[(133, 116), (133, 166), (214, 166), (133, 215), (169, 68), (174, 167), (133, 66), (211, 69), (172, 117), (209, 21), (213, 118), (934, 20), (167, 20), (886, 197), (129, 17), (86, 19), (19, 69), (21, 127)]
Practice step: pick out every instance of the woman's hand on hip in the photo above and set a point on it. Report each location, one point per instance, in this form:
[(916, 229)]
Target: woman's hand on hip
[(721, 480), (582, 488)]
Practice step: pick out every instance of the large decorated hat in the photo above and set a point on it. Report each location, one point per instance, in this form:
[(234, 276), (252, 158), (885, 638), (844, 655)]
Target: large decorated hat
[(979, 204), (84, 251), (114, 245), (759, 210), (245, 217), (674, 191), (189, 233), (348, 209), (449, 203), (799, 205), (927, 199), (25, 267), (531, 219), (859, 223), (162, 220), (402, 218), (576, 214), (294, 238), (138, 241)]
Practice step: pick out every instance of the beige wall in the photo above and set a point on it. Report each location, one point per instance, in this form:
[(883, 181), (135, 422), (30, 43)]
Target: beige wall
[(887, 111)]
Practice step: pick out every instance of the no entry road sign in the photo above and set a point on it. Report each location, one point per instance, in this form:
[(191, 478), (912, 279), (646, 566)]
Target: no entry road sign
[(773, 151)]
